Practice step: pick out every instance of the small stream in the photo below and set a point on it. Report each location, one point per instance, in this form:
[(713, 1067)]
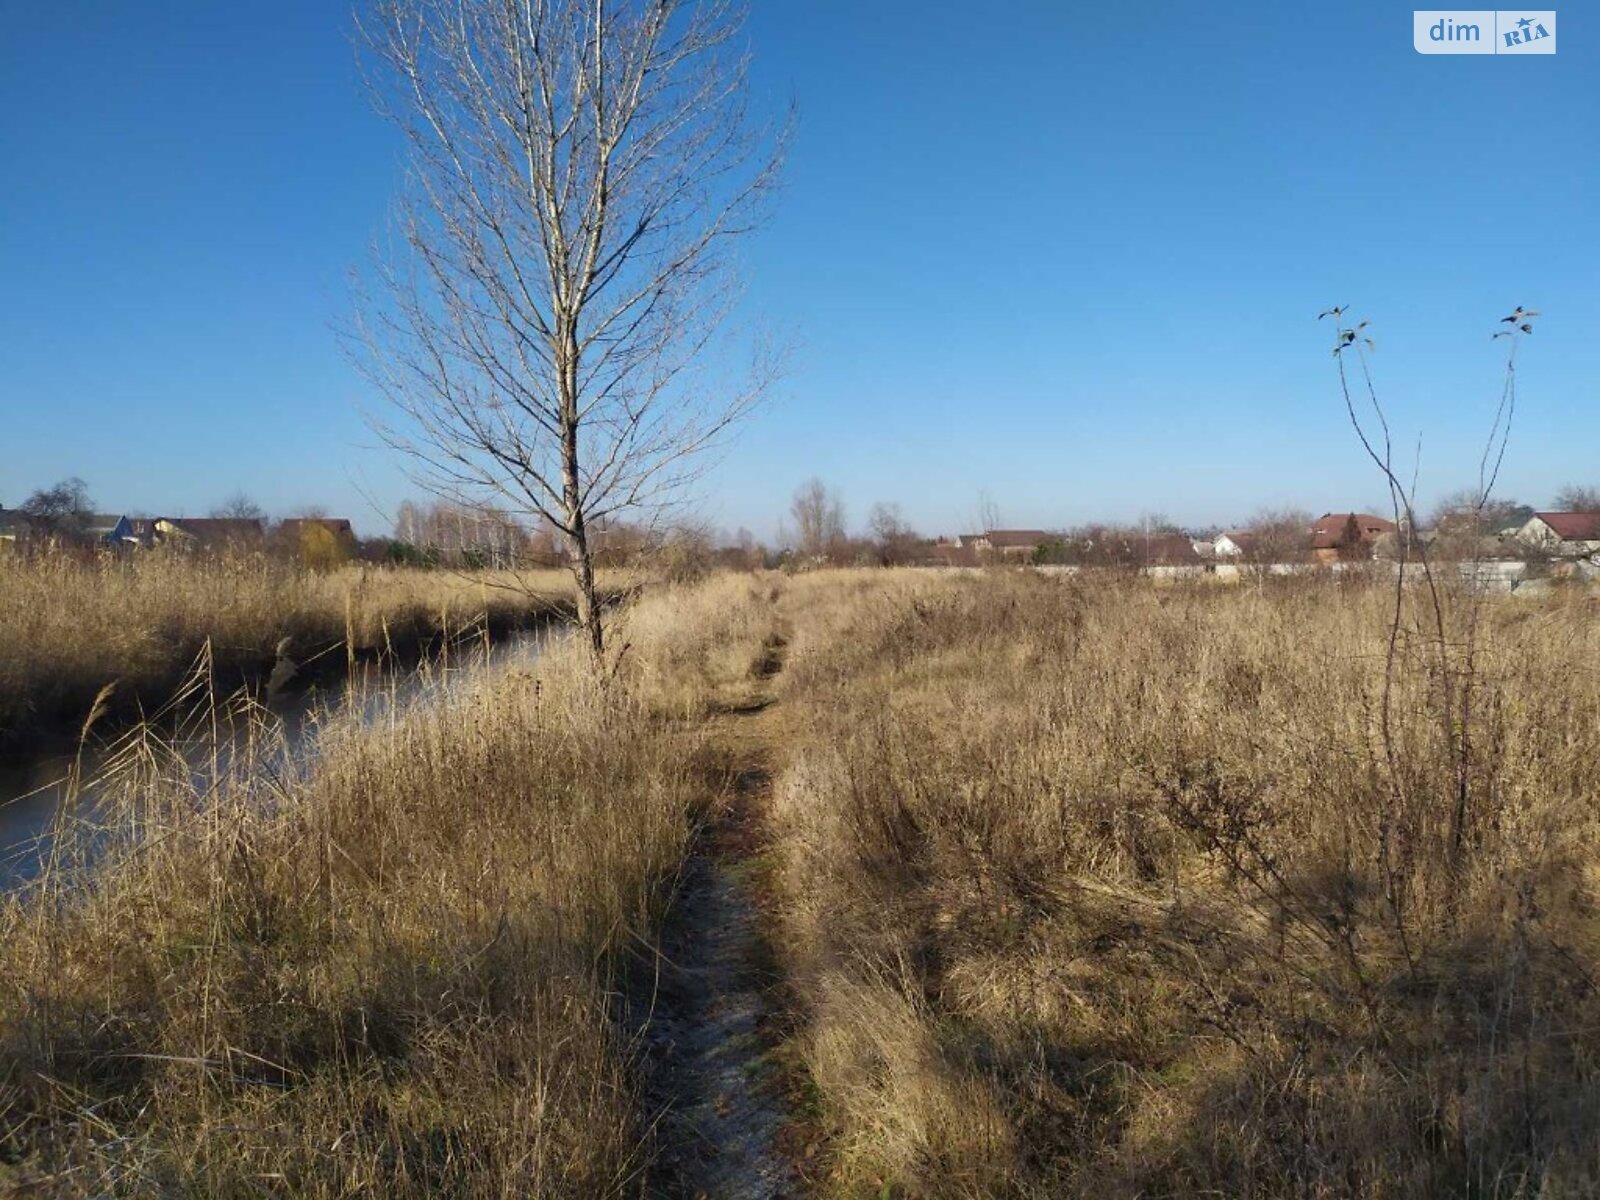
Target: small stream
[(33, 789)]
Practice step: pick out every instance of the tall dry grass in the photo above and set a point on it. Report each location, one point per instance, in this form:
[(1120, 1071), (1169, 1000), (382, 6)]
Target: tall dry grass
[(68, 627), (392, 972), (1110, 890)]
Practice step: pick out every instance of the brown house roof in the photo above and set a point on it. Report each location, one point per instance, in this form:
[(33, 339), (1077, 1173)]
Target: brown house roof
[(1169, 550), (1010, 539), (1328, 530), (211, 531), (1573, 526)]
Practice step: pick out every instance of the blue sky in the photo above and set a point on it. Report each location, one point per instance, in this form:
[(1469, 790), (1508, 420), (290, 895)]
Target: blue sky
[(1068, 255)]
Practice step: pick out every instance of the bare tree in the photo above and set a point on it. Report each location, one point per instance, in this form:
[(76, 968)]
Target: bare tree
[(1158, 524), (239, 506), (1467, 513), (1277, 536), (743, 551), (894, 536), (819, 519), (61, 506), (988, 513), (1577, 497), (580, 170), (460, 535)]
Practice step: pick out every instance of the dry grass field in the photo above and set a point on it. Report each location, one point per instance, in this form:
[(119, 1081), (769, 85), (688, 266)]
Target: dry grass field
[(1116, 891), (1078, 888), (69, 627), (392, 975)]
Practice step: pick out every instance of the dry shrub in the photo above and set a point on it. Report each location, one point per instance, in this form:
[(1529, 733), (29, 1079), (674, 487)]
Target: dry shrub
[(392, 974), (1133, 873)]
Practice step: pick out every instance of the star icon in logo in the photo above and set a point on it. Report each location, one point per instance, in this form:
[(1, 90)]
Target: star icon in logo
[(1525, 22)]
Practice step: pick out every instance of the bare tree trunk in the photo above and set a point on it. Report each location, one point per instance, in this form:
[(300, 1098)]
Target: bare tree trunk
[(589, 623), (589, 617)]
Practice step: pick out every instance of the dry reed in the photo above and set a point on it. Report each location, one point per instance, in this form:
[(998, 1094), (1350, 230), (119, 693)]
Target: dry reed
[(1117, 891), (68, 626), (390, 972)]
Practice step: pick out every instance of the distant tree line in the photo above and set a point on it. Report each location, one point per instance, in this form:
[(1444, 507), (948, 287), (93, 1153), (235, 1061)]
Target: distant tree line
[(815, 533)]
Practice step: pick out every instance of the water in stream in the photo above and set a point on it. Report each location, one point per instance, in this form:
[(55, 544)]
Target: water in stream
[(33, 789)]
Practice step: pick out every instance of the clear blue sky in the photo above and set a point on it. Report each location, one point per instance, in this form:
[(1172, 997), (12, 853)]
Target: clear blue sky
[(1068, 254)]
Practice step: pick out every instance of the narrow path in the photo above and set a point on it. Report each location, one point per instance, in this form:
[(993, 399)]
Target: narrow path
[(708, 1045)]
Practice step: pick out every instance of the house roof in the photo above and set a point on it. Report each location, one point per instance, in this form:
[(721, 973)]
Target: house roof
[(1328, 531), (1016, 538), (1573, 526), (100, 523), (1168, 550), (1333, 525), (141, 530), (215, 530)]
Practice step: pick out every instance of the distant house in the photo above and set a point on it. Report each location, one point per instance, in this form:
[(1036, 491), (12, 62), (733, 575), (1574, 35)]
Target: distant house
[(946, 552), (1169, 556), (97, 529), (105, 529), (14, 526), (1562, 534), (1011, 544), (141, 532), (1346, 535), (211, 533), (1233, 547)]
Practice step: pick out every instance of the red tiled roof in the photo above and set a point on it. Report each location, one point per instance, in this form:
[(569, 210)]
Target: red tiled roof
[(1573, 526), (1333, 525), (1328, 530)]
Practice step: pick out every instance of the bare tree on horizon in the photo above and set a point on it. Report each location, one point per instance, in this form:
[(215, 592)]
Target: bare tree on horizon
[(1577, 497), (62, 506), (988, 514), (893, 534), (239, 506), (579, 170), (818, 514)]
